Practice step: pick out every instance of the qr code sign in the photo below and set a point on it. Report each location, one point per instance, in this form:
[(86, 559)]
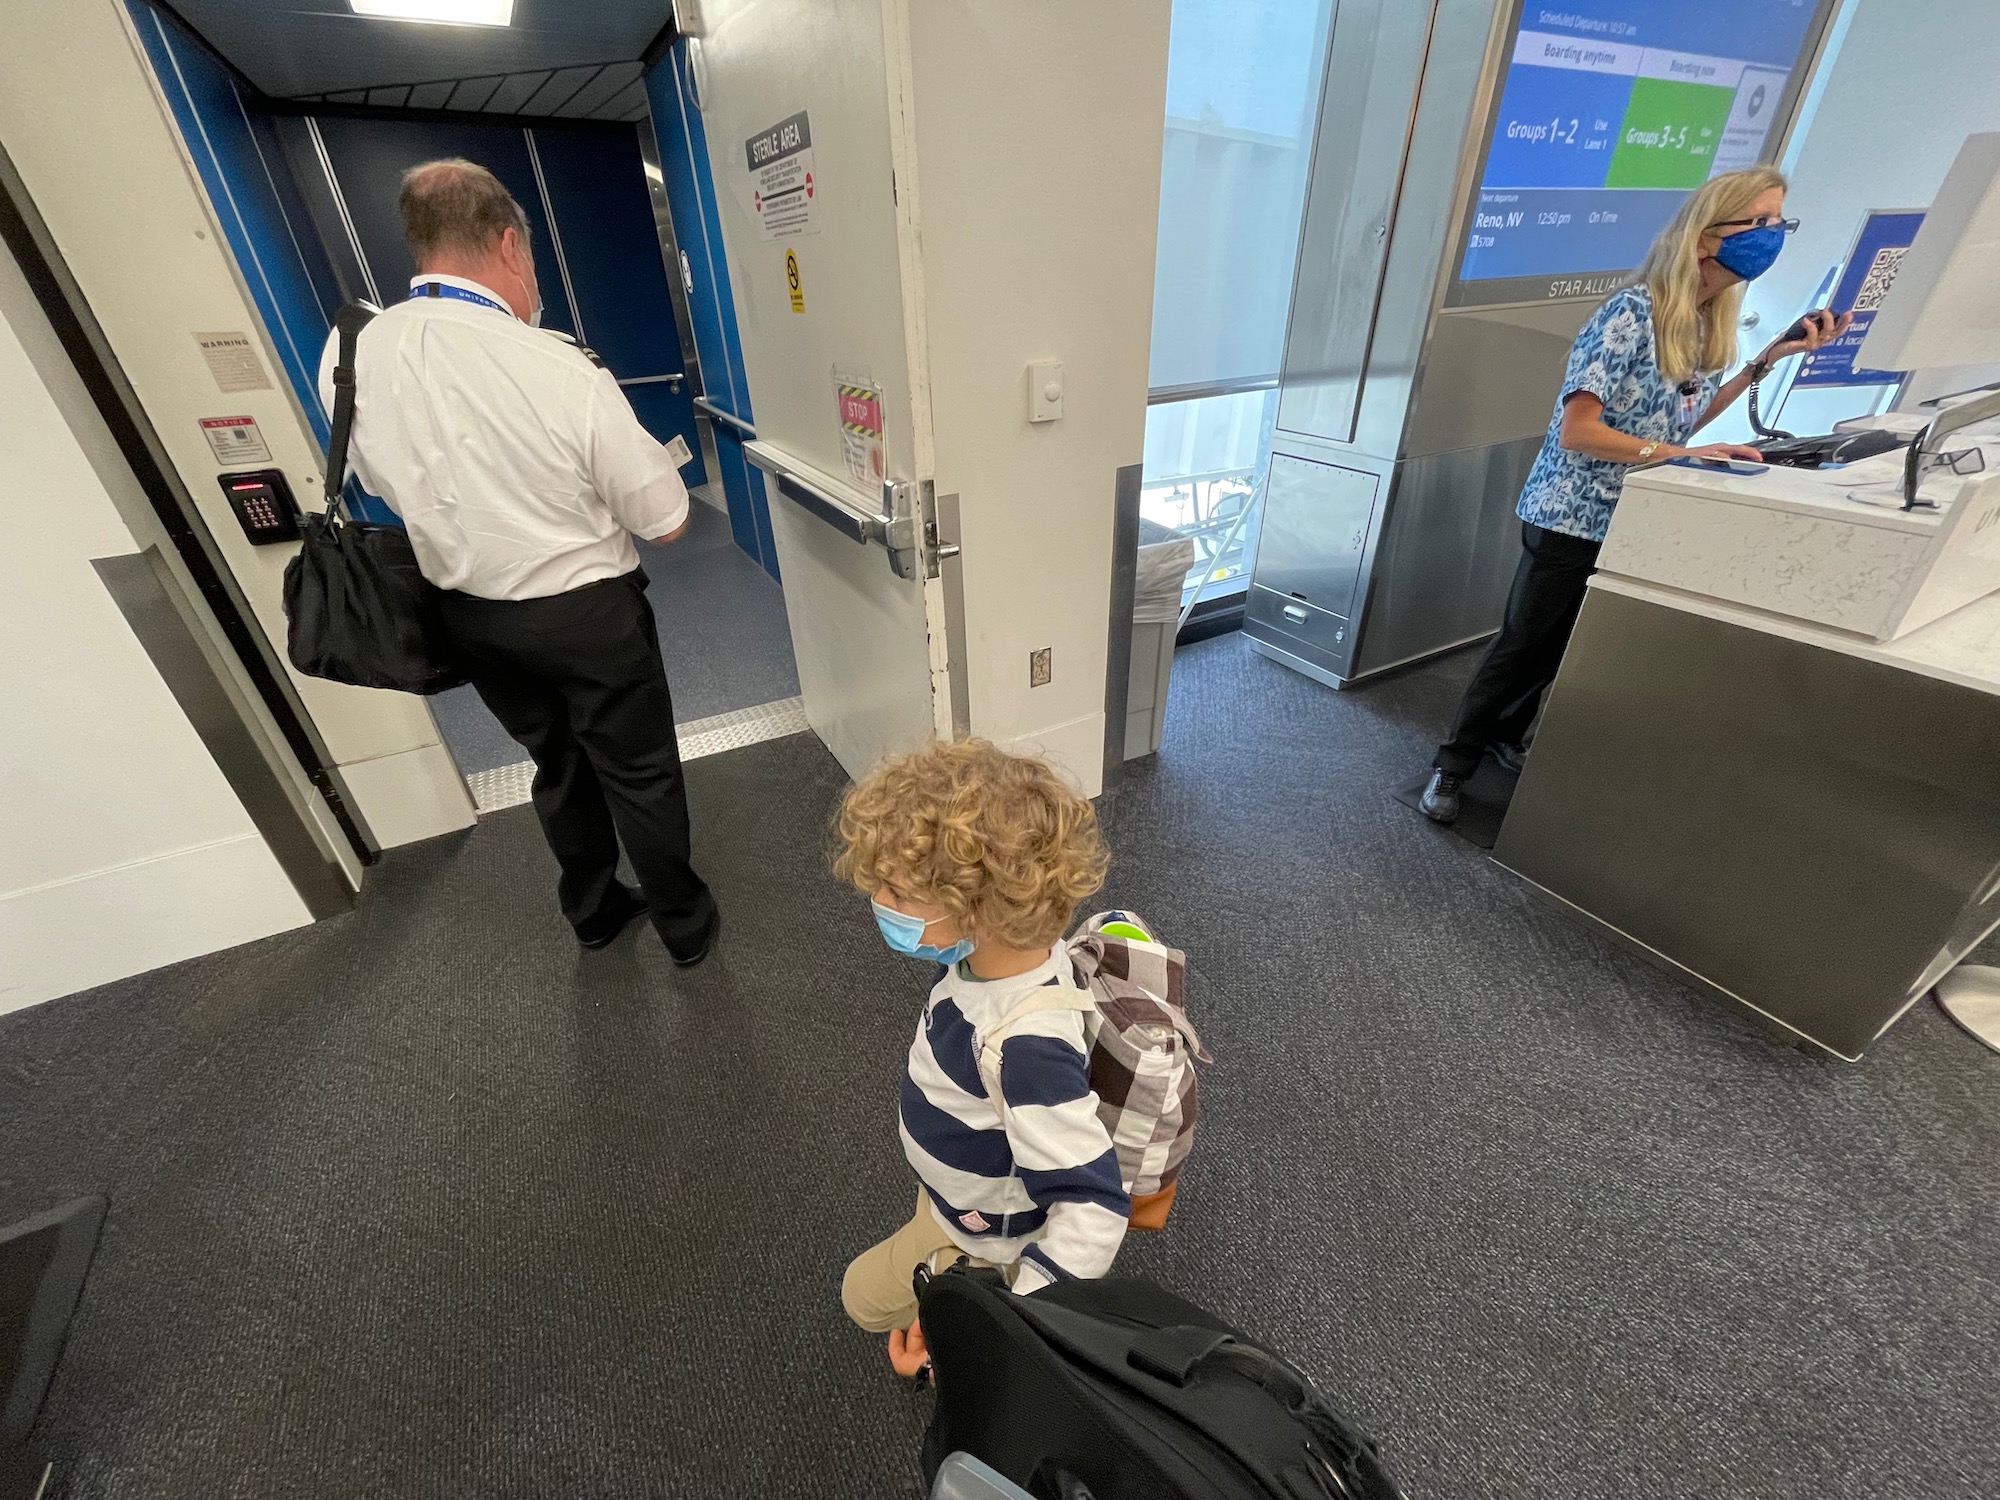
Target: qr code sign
[(1875, 285)]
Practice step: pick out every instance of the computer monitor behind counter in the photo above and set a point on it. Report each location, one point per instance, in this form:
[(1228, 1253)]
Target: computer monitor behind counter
[(1944, 309)]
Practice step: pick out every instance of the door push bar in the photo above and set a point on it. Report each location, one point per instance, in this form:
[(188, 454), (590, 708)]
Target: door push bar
[(905, 528)]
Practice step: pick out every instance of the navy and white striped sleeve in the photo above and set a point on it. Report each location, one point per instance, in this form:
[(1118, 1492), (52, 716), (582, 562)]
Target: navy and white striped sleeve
[(1062, 1152)]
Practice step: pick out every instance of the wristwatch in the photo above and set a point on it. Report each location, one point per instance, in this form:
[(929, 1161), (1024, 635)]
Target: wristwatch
[(1646, 451)]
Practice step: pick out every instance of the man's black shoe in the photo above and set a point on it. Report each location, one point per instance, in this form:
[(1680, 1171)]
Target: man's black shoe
[(603, 932), (703, 948), (1510, 758), (1440, 799)]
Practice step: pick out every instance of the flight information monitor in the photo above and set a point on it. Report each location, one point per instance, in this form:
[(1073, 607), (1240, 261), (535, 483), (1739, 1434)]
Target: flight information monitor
[(1609, 112)]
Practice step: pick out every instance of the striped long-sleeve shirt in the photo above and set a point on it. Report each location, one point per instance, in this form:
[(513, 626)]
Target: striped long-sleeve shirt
[(1038, 1181)]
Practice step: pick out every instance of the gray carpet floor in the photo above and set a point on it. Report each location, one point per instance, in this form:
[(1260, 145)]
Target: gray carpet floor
[(723, 634), (424, 1202)]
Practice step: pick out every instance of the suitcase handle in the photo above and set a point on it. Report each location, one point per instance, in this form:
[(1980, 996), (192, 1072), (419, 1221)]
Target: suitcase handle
[(1351, 1458)]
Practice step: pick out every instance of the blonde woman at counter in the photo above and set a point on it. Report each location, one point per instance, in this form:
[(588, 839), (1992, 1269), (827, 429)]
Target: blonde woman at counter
[(1644, 376)]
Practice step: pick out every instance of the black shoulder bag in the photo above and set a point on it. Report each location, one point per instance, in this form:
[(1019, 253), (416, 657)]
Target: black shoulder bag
[(359, 610)]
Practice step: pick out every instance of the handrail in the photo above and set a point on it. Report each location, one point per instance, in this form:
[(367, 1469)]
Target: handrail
[(672, 377), (1201, 390), (709, 409)]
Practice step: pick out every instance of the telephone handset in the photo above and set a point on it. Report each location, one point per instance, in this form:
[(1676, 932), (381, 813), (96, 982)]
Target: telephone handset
[(1798, 330)]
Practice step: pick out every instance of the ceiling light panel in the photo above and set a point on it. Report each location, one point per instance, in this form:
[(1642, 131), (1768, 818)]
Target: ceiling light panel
[(453, 12)]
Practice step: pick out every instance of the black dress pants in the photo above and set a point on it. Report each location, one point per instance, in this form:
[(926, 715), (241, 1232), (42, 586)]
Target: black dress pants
[(1505, 692), (577, 679)]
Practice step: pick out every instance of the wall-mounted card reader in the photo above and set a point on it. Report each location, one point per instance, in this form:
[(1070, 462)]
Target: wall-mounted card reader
[(263, 504)]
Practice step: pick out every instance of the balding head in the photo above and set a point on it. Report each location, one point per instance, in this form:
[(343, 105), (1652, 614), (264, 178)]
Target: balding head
[(456, 210)]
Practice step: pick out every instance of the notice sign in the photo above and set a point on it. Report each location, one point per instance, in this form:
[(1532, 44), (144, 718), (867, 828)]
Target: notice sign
[(860, 402), (232, 360), (235, 440), (781, 185), (1879, 248)]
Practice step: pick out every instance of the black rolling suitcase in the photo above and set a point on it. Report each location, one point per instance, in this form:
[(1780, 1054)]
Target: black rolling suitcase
[(1117, 1390)]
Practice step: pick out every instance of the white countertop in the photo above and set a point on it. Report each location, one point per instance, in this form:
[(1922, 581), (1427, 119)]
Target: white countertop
[(1962, 647), (1809, 492), (1831, 548)]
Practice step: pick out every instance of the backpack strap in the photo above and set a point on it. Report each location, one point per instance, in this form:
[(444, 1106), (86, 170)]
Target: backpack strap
[(348, 324), (987, 1044)]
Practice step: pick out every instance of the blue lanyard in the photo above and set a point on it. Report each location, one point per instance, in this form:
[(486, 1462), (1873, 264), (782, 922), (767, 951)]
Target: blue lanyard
[(459, 293)]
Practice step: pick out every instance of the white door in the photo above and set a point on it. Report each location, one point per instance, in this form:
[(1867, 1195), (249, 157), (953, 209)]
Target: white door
[(804, 103)]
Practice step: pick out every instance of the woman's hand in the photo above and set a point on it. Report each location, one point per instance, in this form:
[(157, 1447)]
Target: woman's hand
[(1820, 327), (1722, 453)]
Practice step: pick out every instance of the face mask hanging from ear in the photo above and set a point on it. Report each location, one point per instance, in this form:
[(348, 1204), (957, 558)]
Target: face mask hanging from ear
[(1751, 252)]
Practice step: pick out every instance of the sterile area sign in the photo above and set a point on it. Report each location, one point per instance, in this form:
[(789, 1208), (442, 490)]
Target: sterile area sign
[(782, 189)]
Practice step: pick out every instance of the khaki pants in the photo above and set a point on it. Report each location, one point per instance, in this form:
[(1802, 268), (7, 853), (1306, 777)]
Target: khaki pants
[(876, 1291)]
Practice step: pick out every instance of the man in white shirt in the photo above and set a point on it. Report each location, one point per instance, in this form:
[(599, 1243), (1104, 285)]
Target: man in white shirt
[(522, 475)]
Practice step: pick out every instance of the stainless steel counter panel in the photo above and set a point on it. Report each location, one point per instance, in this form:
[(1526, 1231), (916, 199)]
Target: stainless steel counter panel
[(1446, 555), (1492, 375), (1808, 832)]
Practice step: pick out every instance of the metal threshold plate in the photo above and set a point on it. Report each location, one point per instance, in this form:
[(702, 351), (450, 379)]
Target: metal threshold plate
[(510, 786)]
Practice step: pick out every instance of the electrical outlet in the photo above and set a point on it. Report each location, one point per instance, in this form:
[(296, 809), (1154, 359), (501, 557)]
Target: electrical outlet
[(1039, 669)]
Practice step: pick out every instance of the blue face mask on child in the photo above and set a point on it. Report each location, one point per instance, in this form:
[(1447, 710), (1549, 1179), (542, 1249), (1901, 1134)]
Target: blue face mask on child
[(905, 934), (1751, 252)]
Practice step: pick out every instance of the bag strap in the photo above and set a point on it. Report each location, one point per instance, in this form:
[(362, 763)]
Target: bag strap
[(351, 319), (1042, 997)]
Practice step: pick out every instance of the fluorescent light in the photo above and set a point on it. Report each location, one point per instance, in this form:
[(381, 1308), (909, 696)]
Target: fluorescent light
[(456, 12)]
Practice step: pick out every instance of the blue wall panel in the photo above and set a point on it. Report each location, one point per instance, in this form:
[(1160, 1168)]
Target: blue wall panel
[(370, 156), (597, 193), (690, 190)]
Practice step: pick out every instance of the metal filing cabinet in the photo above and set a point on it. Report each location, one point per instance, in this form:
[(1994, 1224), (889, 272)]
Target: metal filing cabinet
[(1309, 558)]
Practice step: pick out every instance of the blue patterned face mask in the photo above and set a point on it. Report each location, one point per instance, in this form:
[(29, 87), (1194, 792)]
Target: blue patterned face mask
[(1751, 252), (905, 934)]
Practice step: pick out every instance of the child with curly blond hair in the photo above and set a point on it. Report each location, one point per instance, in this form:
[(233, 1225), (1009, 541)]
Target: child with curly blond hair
[(976, 859)]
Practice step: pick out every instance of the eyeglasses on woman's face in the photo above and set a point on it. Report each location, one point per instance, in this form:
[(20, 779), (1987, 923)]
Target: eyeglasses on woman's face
[(1762, 221)]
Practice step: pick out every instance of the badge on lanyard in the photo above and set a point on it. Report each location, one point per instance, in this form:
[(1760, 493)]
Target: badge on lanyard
[(1690, 393)]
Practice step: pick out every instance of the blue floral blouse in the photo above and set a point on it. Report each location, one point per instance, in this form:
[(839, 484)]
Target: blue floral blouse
[(1612, 358)]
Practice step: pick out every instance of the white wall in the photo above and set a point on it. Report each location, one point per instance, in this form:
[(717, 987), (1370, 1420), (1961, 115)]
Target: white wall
[(1038, 128), (1911, 79), (86, 129), (121, 846)]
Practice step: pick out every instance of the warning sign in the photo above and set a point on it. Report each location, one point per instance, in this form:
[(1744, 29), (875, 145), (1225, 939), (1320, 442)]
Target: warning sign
[(860, 401), (783, 192), (792, 283), (235, 440), (232, 360)]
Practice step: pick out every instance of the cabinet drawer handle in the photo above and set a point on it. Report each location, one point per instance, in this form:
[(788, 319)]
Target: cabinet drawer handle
[(1293, 613)]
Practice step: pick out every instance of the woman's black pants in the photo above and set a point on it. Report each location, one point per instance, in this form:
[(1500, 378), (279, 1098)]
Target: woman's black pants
[(1542, 606)]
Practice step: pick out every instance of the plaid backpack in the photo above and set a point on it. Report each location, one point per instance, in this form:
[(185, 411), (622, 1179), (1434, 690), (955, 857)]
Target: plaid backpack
[(1143, 1050)]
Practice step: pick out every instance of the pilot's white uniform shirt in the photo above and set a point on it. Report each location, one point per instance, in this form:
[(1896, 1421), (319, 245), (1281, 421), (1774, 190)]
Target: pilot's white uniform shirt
[(515, 462)]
